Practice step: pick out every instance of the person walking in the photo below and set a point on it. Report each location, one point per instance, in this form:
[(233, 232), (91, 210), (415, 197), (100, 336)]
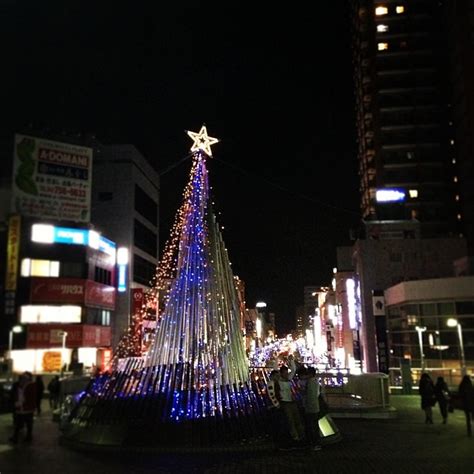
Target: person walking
[(54, 387), (428, 399), (466, 394), (39, 393), (286, 396), (277, 419), (311, 408), (442, 397), (24, 405)]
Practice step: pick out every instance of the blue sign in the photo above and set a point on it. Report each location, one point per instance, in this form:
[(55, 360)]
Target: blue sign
[(122, 278), (66, 235), (390, 195)]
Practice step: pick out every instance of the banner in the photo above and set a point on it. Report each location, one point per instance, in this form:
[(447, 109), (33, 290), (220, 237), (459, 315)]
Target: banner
[(13, 250), (51, 180)]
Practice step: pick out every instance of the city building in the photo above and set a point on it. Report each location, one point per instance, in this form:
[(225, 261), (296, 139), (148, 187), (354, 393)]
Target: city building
[(125, 193), (61, 290), (393, 252), (405, 143), (431, 325)]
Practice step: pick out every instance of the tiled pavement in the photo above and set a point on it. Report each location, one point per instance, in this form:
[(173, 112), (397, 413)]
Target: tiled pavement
[(404, 445)]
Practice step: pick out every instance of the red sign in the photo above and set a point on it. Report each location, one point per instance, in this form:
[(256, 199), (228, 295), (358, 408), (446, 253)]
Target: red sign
[(72, 291), (137, 300), (45, 336)]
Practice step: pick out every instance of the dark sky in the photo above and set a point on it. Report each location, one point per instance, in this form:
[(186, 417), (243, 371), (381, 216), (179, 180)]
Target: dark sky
[(273, 84)]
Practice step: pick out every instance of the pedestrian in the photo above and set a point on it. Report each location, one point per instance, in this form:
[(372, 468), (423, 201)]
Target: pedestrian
[(311, 407), (442, 397), (54, 387), (428, 399), (466, 394), (287, 397), (24, 405), (39, 393), (277, 419)]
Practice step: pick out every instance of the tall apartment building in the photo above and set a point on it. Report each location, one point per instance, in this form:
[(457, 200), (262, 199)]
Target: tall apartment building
[(125, 193), (405, 141)]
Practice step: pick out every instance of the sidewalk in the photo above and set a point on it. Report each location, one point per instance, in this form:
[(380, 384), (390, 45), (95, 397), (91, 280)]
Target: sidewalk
[(403, 445)]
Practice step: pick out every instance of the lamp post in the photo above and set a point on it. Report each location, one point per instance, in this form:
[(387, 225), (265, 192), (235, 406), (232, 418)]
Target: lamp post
[(63, 334), (420, 330), (14, 330), (454, 323)]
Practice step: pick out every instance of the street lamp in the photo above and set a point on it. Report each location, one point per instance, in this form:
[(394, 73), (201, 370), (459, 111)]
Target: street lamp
[(13, 330), (420, 330), (453, 323)]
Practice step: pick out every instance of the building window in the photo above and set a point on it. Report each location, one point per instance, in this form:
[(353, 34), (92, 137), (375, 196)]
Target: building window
[(382, 28), (457, 197), (102, 276), (379, 11), (105, 196), (39, 268), (143, 270), (146, 206), (145, 239), (50, 314), (455, 179), (400, 9), (382, 46), (413, 193), (459, 217)]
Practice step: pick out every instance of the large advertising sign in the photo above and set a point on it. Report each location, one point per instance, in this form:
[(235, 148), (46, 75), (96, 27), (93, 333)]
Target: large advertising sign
[(72, 291), (51, 180)]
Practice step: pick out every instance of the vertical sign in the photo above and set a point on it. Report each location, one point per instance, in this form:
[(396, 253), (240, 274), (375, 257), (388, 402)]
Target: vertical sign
[(51, 180), (378, 307), (13, 251)]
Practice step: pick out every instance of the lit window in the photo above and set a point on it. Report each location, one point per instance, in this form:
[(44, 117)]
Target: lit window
[(382, 46), (451, 141), (457, 197), (413, 193), (379, 11), (459, 217), (382, 28), (455, 179), (39, 268), (453, 161), (50, 314), (400, 9)]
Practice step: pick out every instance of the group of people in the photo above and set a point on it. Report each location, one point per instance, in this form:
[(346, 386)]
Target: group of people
[(26, 398), (296, 407), (439, 393)]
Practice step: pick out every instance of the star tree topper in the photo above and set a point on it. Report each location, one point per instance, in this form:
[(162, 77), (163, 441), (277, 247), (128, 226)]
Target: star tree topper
[(202, 141)]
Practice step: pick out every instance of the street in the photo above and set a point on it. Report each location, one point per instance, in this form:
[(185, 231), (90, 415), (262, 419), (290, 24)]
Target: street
[(403, 445)]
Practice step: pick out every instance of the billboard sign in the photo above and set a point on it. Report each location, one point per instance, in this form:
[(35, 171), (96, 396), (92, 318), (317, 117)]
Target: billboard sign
[(51, 180), (72, 291), (42, 336), (13, 251)]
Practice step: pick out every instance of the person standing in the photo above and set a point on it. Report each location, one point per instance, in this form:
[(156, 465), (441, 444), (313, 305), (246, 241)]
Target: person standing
[(287, 399), (39, 393), (311, 408), (428, 399), (24, 405), (276, 415), (466, 393), (54, 387), (442, 397)]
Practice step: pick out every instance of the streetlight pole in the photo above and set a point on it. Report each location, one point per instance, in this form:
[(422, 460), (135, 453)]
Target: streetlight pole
[(420, 330), (452, 322)]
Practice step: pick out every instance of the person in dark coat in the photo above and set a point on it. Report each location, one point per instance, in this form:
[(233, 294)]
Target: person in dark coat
[(39, 393), (442, 397), (54, 388), (428, 399), (466, 394), (24, 404)]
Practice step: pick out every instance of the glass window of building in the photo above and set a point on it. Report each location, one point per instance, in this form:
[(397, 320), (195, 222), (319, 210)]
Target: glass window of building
[(146, 206), (382, 46), (380, 10), (382, 28), (400, 9), (145, 239), (39, 268)]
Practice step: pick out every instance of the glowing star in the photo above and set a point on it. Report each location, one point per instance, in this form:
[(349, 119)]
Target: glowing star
[(202, 141)]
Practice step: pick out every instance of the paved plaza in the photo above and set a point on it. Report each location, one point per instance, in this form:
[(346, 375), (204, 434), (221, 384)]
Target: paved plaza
[(403, 445)]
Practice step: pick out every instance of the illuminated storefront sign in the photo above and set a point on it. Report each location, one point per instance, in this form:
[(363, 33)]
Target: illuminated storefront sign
[(50, 314), (44, 336), (351, 302), (390, 195), (49, 234), (122, 262)]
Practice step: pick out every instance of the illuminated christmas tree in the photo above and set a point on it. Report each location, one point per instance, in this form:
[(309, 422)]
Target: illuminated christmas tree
[(193, 384)]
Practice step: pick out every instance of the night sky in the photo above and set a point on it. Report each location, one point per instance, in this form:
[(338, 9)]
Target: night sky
[(273, 83)]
